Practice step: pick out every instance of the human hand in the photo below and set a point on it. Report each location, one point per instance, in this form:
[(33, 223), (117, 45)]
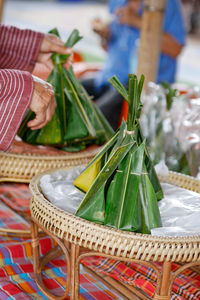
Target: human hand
[(128, 15), (104, 44), (50, 44), (101, 28), (43, 104)]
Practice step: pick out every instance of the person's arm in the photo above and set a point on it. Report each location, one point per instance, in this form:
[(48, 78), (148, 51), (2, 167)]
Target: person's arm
[(19, 49), (27, 49), (18, 91), (169, 45), (103, 30), (24, 50)]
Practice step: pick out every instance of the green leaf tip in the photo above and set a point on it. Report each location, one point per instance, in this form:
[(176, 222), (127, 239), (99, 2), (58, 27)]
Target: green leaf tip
[(73, 39), (119, 87), (54, 31)]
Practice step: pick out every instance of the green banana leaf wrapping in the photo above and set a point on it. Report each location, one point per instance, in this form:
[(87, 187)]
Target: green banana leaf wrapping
[(124, 189), (77, 122)]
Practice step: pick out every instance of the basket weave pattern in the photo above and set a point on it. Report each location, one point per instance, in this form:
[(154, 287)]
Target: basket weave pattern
[(22, 168), (114, 242)]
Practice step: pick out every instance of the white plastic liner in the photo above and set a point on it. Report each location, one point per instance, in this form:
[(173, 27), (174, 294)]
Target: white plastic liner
[(180, 212), (180, 208), (58, 188)]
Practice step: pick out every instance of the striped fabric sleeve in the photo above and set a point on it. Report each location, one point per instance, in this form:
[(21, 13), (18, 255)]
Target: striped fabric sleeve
[(16, 89), (19, 48)]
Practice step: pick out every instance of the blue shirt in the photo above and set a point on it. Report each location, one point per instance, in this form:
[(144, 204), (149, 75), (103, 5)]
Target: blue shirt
[(123, 45)]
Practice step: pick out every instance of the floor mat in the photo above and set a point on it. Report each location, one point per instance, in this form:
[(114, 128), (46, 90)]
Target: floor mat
[(17, 278), (16, 269), (16, 196), (186, 285), (9, 219)]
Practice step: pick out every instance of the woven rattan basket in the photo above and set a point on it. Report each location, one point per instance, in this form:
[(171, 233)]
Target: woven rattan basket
[(22, 167), (111, 241)]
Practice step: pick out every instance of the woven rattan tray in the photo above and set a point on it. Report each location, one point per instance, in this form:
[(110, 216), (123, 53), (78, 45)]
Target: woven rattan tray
[(79, 239), (16, 167), (111, 241)]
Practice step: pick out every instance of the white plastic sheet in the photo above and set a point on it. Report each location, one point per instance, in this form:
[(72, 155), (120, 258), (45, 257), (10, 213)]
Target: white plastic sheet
[(58, 188), (180, 208), (180, 212)]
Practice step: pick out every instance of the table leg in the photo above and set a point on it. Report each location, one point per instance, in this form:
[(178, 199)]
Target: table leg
[(74, 291), (164, 293), (35, 246), (77, 273)]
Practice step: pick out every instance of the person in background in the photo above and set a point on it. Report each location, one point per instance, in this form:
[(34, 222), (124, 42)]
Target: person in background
[(21, 52), (120, 39)]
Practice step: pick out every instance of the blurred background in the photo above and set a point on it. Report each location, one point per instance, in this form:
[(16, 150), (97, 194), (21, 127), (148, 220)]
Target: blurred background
[(67, 15)]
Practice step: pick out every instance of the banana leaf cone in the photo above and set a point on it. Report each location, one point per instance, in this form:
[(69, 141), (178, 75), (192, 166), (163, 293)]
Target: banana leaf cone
[(125, 213), (95, 197), (151, 170), (150, 211), (85, 180), (119, 192), (77, 122)]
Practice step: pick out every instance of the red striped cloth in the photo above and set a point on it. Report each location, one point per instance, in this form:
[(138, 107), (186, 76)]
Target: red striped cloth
[(16, 88), (18, 50)]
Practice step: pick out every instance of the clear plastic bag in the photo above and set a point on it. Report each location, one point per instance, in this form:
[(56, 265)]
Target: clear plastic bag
[(173, 133)]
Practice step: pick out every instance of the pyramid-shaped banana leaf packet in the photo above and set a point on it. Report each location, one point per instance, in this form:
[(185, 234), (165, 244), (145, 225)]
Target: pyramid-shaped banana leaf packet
[(77, 122), (121, 185)]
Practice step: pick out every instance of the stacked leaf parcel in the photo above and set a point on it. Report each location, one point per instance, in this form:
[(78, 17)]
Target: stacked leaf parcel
[(121, 185), (77, 122)]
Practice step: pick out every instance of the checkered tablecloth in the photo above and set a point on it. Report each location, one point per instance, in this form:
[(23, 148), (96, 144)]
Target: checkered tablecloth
[(16, 269)]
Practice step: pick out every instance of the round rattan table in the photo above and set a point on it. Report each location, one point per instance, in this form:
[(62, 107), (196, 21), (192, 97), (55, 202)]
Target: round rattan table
[(79, 238), (15, 167)]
